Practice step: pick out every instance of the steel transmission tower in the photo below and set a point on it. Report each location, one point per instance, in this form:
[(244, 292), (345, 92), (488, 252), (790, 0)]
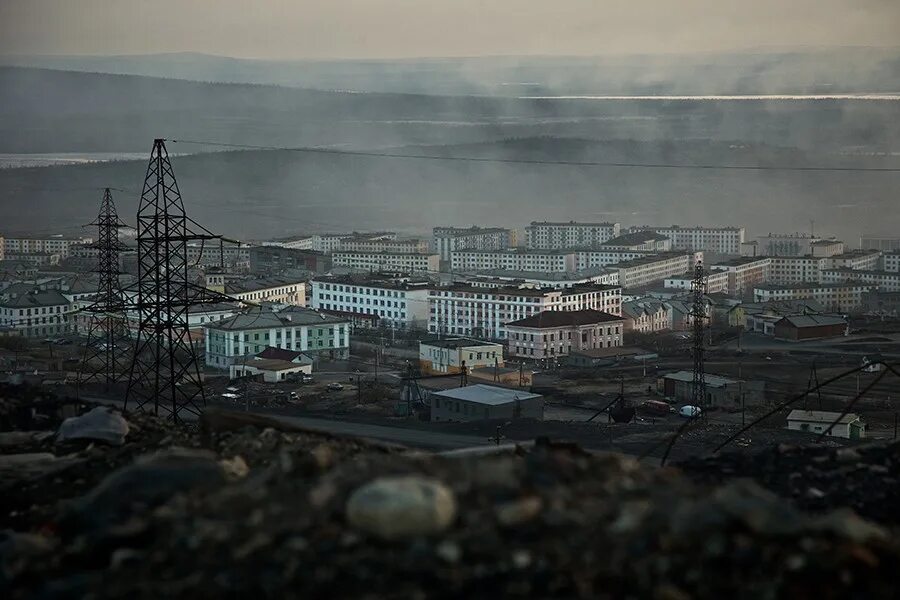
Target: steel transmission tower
[(698, 319), (107, 332), (165, 374)]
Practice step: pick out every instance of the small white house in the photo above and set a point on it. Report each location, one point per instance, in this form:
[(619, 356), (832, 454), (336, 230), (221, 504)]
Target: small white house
[(850, 426)]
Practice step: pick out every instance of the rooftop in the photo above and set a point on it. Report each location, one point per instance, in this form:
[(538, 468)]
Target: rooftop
[(711, 380), (36, 298), (456, 342), (271, 352), (253, 285), (375, 281), (564, 318), (271, 364), (486, 394), (814, 320), (821, 416), (574, 223), (262, 318), (635, 237), (737, 262)]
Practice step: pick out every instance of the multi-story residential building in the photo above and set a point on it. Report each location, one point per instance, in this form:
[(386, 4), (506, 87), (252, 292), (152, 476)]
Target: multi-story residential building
[(54, 244), (379, 261), (551, 334), (558, 236), (272, 259), (649, 269), (548, 261), (366, 244), (281, 290), (504, 278), (39, 259), (647, 315), (796, 269), (472, 311), (212, 255), (451, 239), (885, 281), (233, 340), (399, 304), (449, 355), (718, 240), (604, 257), (839, 297), (744, 273), (882, 243), (861, 260), (891, 262), (827, 248), (646, 240), (716, 281), (35, 312), (786, 244), (303, 242), (329, 242)]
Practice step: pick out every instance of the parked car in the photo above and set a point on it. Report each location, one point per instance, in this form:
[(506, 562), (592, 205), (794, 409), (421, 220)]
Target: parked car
[(306, 378), (335, 386), (690, 412), (655, 407)]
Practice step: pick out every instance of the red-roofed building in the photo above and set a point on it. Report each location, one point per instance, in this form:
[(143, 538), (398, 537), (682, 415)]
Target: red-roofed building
[(555, 333)]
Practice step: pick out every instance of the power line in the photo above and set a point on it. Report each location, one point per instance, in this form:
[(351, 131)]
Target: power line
[(523, 161)]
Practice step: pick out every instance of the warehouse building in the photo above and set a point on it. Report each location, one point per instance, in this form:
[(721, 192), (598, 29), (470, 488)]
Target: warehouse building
[(481, 401)]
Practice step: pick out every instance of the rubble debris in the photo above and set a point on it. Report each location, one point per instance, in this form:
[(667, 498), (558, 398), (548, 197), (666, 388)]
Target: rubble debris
[(98, 424), (395, 508)]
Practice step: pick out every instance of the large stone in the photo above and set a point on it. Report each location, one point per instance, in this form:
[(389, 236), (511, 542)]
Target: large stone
[(394, 508), (99, 424)]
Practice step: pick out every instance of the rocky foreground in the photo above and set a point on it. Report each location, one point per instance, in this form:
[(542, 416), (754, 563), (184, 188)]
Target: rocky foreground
[(238, 505)]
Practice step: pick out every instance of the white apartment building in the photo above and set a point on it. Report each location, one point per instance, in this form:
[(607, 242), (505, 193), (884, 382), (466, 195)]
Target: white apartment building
[(378, 261), (649, 269), (54, 244), (398, 304), (827, 248), (891, 262), (860, 260), (716, 281), (303, 242), (470, 311), (646, 240), (35, 312), (837, 297), (280, 290), (551, 334), (886, 281), (451, 239), (211, 255), (364, 244), (502, 278), (558, 236), (330, 242), (796, 269), (744, 273), (885, 244), (592, 259), (719, 240), (513, 260), (786, 244)]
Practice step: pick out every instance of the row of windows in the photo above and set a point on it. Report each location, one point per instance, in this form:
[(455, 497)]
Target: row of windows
[(26, 312)]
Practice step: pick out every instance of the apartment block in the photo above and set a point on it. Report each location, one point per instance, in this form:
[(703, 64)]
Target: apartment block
[(647, 240), (450, 239), (882, 243), (557, 236), (716, 281), (54, 244), (885, 281), (547, 261), (364, 244), (838, 297), (827, 248), (649, 269), (399, 304), (786, 244), (282, 290), (744, 273), (604, 257), (378, 261), (891, 262), (647, 315), (861, 260), (796, 269), (212, 255), (718, 240), (481, 312)]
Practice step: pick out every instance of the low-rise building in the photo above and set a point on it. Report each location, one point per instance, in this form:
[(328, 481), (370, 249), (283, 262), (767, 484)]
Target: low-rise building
[(882, 304), (647, 315), (280, 290), (482, 312), (380, 261), (450, 355), (450, 239), (481, 401), (848, 426), (235, 339), (858, 260), (838, 297), (272, 366), (550, 235), (553, 334), (34, 312), (723, 392), (397, 303), (796, 328), (516, 259)]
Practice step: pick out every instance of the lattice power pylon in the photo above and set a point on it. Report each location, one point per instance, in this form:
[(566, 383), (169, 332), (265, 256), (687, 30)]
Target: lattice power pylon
[(165, 373), (107, 332), (698, 319)]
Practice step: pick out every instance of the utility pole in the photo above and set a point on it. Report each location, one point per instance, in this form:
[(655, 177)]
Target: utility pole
[(698, 314)]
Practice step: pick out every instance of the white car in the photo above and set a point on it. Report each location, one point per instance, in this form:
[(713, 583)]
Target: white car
[(689, 412)]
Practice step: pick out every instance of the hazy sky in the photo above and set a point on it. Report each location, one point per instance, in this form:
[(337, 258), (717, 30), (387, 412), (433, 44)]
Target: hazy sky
[(415, 28)]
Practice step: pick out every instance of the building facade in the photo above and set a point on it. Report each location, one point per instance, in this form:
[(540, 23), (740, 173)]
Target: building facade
[(650, 269), (396, 304), (281, 290), (449, 355), (450, 239), (548, 261), (719, 240), (35, 312), (838, 297), (716, 281), (552, 334), (796, 269), (378, 261), (647, 315), (885, 281), (54, 244), (365, 244), (744, 274), (548, 235)]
